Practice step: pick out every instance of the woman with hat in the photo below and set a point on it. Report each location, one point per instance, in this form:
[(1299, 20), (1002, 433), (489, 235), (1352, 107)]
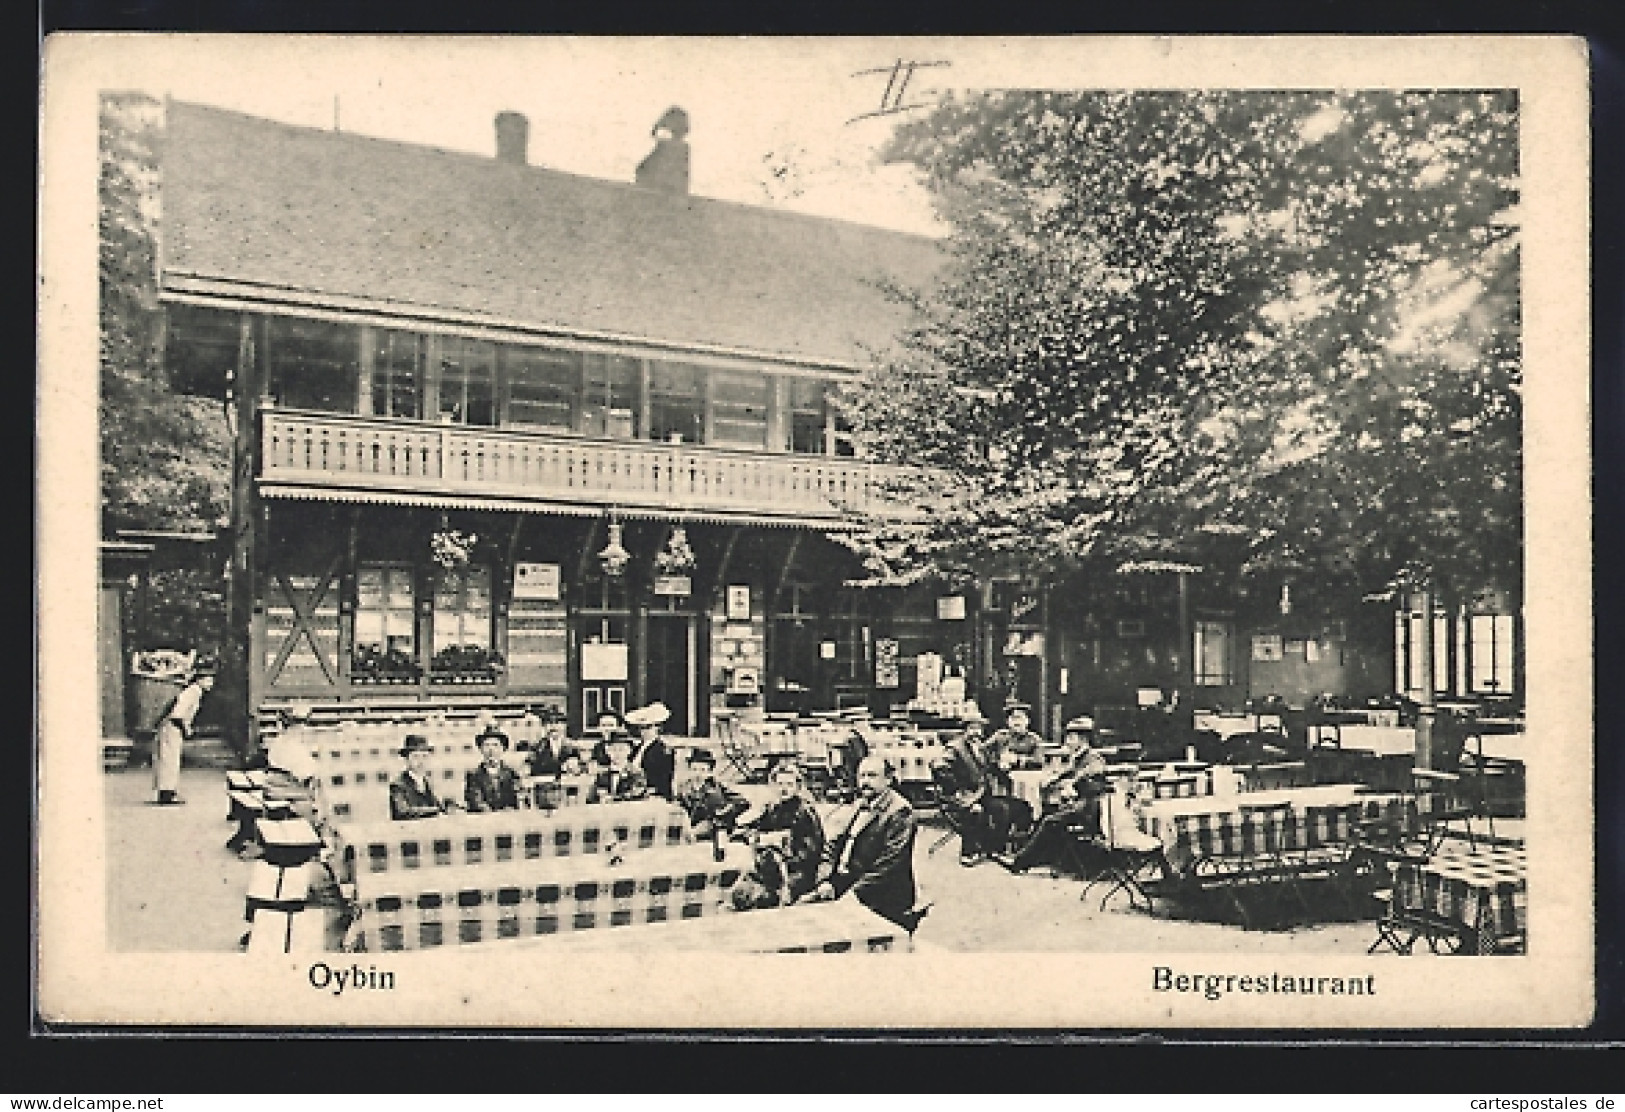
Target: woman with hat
[(492, 785), (411, 794), (653, 757), (174, 727)]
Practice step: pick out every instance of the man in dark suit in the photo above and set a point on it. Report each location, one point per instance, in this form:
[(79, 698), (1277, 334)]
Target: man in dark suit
[(713, 808), (873, 858), (790, 828), (1016, 746), (983, 815), (411, 794), (653, 757), (617, 780), (492, 786)]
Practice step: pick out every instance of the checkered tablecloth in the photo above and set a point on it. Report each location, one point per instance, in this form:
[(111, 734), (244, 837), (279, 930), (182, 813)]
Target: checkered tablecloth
[(424, 908), (1485, 892), (910, 752), (1260, 824), (468, 840), (838, 927)]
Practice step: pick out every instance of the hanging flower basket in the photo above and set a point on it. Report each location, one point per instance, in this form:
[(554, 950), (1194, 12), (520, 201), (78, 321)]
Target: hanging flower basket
[(452, 548), (677, 558)]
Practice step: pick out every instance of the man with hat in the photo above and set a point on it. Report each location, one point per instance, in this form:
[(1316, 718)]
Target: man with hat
[(547, 754), (1071, 807), (411, 794), (174, 727), (1016, 746), (713, 807), (653, 756), (492, 785), (617, 779), (970, 792)]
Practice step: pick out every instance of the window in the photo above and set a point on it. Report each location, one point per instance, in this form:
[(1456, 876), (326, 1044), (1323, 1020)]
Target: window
[(1212, 654), (807, 416), (313, 364), (467, 381), (385, 644), (397, 373), (462, 609), (1490, 646), (676, 403), (1409, 666), (845, 444), (612, 390), (739, 410), (542, 387)]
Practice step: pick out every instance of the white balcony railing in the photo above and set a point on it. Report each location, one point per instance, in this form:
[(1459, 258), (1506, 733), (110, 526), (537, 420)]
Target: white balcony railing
[(381, 454)]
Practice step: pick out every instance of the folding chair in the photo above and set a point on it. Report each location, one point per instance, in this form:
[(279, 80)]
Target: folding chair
[(1128, 854)]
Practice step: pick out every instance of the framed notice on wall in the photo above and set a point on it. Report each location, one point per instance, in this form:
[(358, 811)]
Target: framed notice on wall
[(739, 603), (1267, 647), (601, 662), (536, 581)]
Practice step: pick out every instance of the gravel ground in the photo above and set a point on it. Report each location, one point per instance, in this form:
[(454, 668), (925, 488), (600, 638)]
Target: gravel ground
[(173, 886)]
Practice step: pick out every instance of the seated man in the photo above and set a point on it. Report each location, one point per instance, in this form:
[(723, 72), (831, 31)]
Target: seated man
[(547, 754), (963, 786), (1016, 746), (873, 858), (713, 807), (492, 785), (411, 794), (789, 845), (616, 780), (1071, 811)]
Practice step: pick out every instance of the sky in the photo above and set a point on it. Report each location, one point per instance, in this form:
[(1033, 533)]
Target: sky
[(769, 119)]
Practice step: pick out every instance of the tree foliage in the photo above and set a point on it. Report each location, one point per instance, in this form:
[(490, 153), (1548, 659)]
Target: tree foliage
[(1285, 315), (165, 456)]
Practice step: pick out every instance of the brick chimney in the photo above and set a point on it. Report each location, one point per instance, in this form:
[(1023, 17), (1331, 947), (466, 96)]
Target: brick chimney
[(513, 137), (666, 167)]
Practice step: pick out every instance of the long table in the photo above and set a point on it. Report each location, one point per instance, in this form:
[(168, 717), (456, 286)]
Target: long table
[(464, 839), (1263, 823), (840, 926), (1481, 894), (461, 904)]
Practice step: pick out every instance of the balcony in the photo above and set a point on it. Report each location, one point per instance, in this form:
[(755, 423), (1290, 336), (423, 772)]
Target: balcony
[(367, 454)]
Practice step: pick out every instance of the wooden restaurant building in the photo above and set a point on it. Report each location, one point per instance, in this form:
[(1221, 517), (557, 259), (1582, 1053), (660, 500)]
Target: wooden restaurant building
[(508, 435)]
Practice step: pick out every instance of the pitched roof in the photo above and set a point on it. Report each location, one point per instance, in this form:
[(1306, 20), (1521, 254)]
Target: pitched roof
[(268, 205)]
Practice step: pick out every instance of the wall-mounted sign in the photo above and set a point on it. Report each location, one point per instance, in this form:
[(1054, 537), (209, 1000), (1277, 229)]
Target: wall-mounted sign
[(601, 662), (1148, 697), (886, 670), (1268, 647), (951, 608), (536, 581), (673, 586), (739, 603), (744, 681), (826, 650)]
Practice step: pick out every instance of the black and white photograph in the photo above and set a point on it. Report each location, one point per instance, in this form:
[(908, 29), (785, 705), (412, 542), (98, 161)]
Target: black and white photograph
[(1057, 532)]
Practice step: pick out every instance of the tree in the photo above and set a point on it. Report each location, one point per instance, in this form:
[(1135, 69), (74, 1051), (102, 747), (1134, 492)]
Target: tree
[(165, 456), (1288, 316)]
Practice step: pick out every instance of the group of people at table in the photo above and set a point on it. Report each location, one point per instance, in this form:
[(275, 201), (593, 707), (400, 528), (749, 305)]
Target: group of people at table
[(870, 857), (974, 780)]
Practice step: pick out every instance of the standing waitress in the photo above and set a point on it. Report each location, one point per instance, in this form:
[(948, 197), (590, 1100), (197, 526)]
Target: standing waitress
[(173, 729), (654, 757)]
